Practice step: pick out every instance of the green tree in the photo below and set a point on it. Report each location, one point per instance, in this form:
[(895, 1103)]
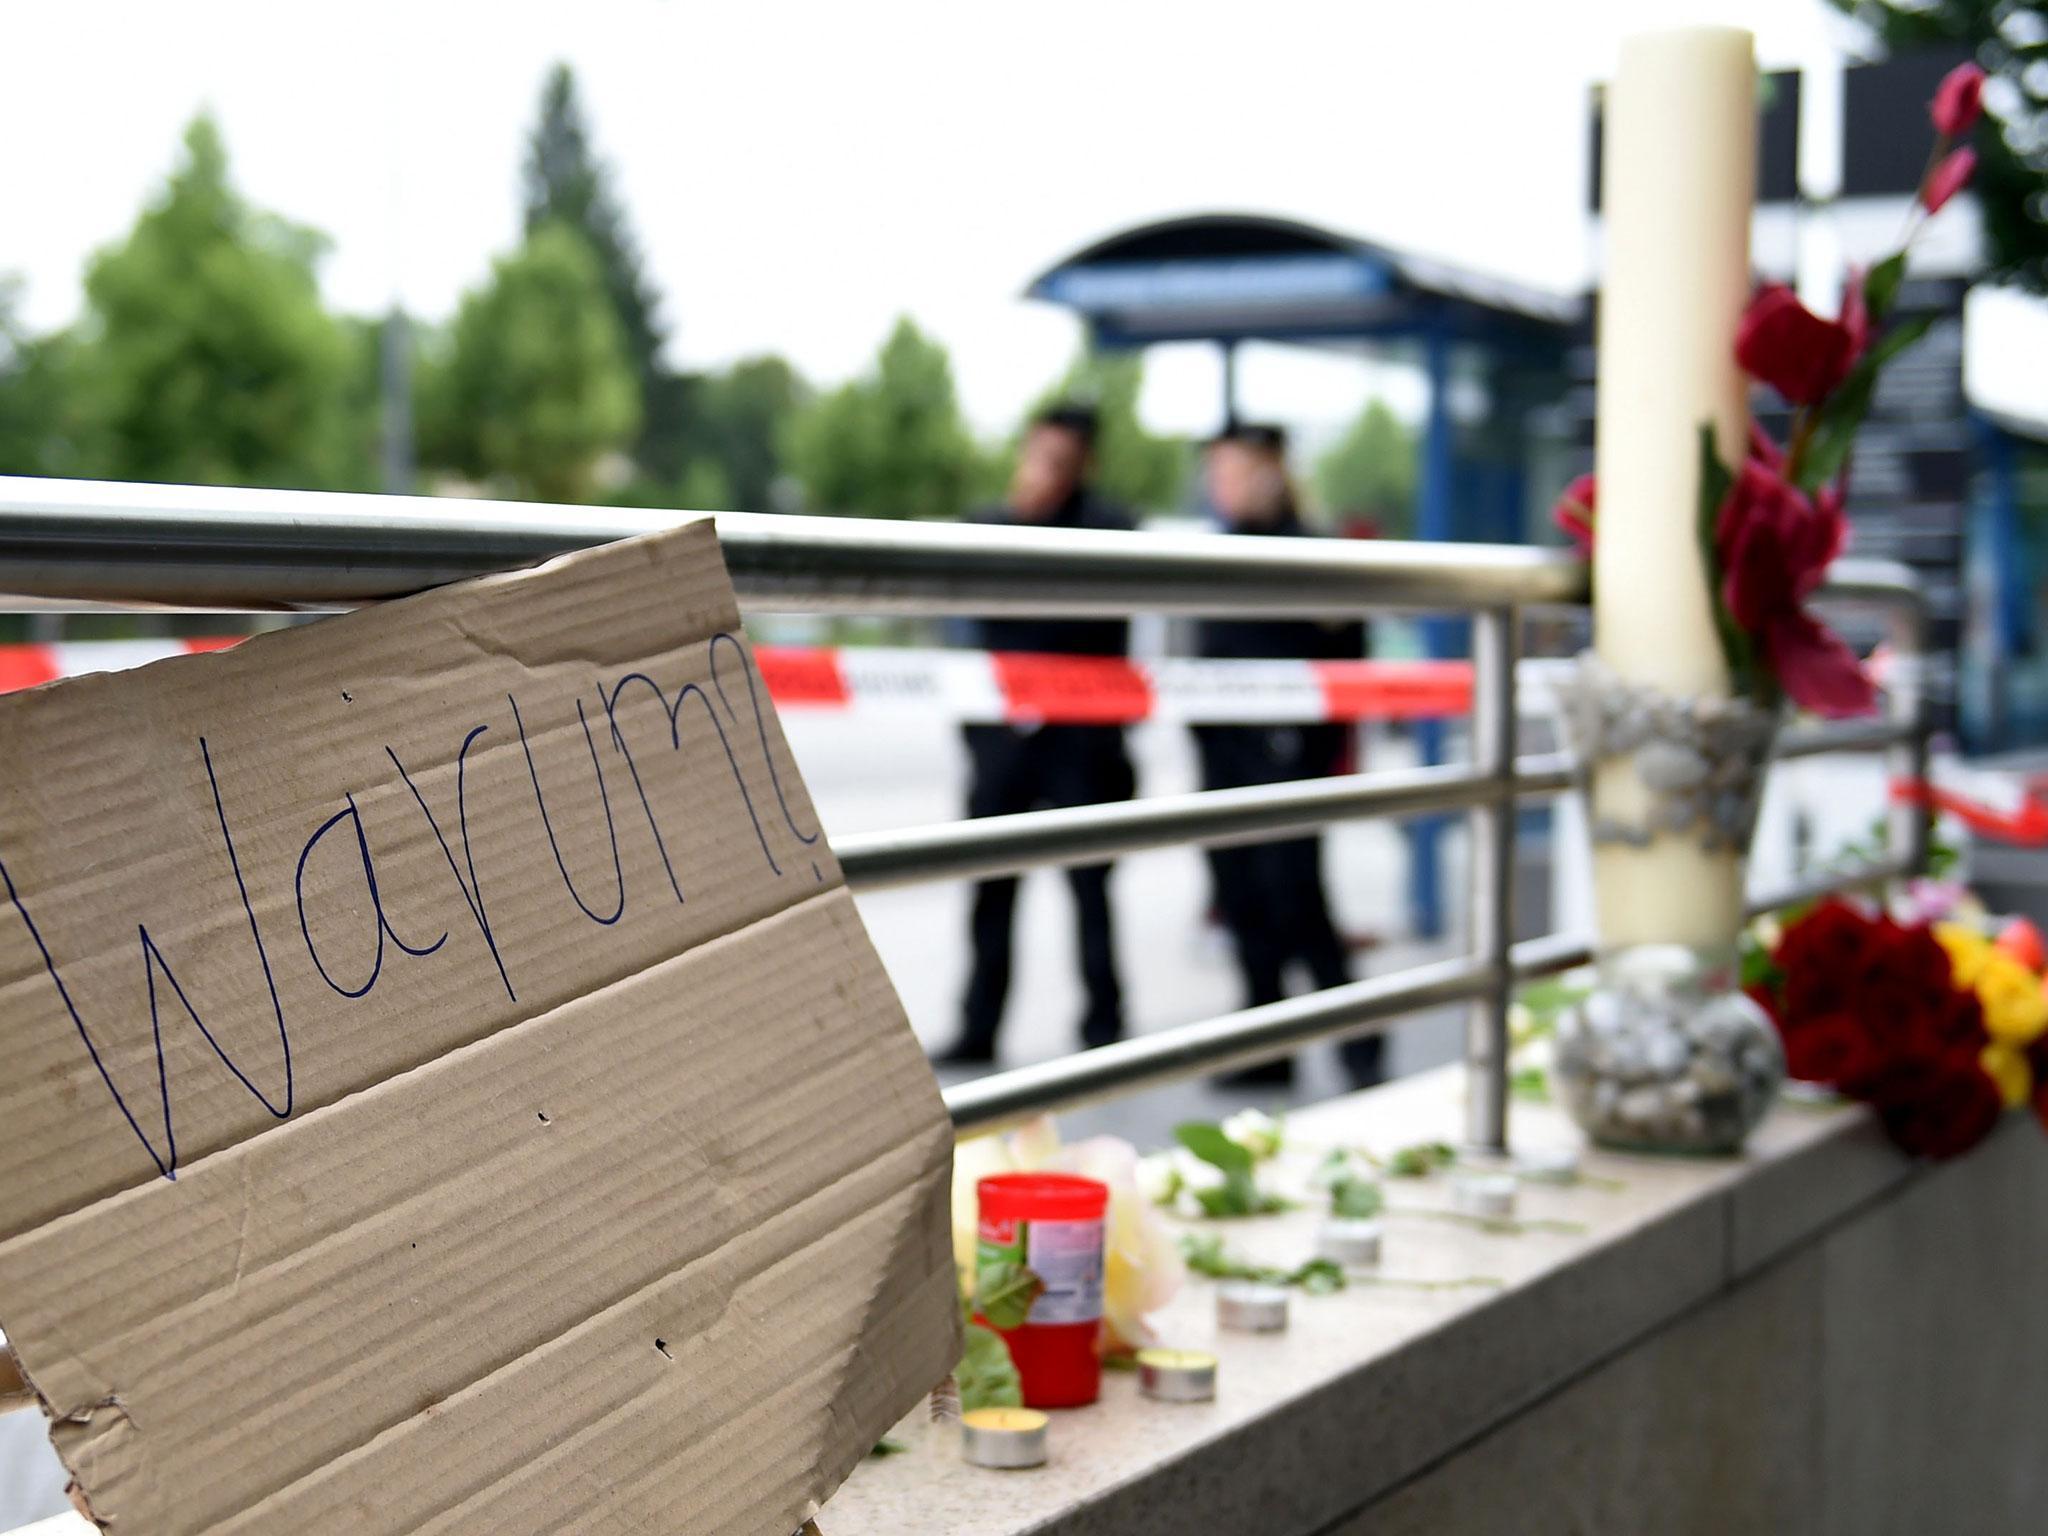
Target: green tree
[(533, 386), (566, 183), (739, 421), (42, 427), (205, 355), (892, 442), (1370, 471), (2011, 41), (1131, 465)]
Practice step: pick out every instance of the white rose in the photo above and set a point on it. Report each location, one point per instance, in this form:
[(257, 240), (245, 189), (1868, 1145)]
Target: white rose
[(1159, 1177), (1256, 1131)]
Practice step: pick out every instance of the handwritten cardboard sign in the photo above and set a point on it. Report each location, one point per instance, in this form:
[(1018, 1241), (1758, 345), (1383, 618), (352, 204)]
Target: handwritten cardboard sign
[(445, 1085)]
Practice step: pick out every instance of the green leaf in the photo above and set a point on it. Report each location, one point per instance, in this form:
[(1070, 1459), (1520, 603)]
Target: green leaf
[(1841, 417), (1004, 1291), (1881, 285), (1319, 1277), (1531, 1085), (1205, 1255), (987, 1375), (1421, 1159), (888, 1447), (1356, 1198), (1207, 1141), (1548, 998), (1715, 482)]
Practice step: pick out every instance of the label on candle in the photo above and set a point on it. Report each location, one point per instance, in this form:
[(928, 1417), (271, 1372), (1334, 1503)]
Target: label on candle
[(1066, 1255)]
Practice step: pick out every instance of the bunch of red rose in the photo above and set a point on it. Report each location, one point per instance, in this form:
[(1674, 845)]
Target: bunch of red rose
[(1774, 524), (1870, 1007)]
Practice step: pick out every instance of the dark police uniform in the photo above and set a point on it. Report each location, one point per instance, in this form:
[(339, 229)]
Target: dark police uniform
[(1271, 896), (1024, 768)]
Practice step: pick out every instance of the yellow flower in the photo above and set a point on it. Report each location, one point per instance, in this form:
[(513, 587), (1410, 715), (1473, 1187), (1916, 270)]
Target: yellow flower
[(2015, 1011), (974, 1160), (1967, 951), (2007, 1066)]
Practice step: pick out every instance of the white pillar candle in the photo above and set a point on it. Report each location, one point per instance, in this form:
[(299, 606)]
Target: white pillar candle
[(1680, 174)]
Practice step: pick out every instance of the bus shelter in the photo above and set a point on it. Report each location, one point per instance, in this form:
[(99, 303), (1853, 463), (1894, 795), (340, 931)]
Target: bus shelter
[(1231, 278)]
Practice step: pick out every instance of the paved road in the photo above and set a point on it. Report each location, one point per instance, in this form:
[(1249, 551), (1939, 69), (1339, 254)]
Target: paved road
[(1176, 969)]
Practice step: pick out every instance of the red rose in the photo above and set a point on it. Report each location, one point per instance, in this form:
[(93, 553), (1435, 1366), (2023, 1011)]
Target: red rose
[(1817, 669), (1765, 998), (1955, 1107), (1574, 513), (1790, 348), (1775, 544), (1908, 989), (1836, 1048), (1948, 178), (1958, 101), (1823, 956)]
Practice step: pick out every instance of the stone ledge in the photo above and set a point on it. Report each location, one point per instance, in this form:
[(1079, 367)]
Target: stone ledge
[(1370, 1388)]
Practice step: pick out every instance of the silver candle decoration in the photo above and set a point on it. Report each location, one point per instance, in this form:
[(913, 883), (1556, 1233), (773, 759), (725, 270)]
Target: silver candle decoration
[(1701, 759), (1666, 1053)]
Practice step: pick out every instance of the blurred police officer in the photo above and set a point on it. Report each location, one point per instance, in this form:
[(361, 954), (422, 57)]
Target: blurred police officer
[(1022, 768), (1271, 896)]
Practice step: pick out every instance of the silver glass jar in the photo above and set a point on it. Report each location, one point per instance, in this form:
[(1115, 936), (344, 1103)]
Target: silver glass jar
[(1666, 1053)]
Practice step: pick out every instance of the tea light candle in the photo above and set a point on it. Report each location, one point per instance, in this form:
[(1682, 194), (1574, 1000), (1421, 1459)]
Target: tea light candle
[(1251, 1306), (1177, 1375), (1489, 1196), (1550, 1165), (1004, 1438), (1349, 1240)]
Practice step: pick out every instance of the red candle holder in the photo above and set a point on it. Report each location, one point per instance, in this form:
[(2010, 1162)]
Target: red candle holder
[(1054, 1224)]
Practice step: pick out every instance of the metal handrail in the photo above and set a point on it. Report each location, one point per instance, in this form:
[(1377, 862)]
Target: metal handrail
[(1087, 834), (1254, 1035), (177, 547), (86, 543)]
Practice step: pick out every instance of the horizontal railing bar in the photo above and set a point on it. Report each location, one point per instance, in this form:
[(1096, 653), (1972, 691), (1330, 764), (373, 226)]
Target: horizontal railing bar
[(219, 548), (1085, 834), (1556, 952), (1888, 582), (1222, 1044), (1827, 882), (1254, 1035), (1860, 736)]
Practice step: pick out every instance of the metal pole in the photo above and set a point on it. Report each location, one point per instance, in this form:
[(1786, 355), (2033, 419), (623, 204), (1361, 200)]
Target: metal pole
[(1495, 640), (1086, 834), (1912, 818), (204, 547)]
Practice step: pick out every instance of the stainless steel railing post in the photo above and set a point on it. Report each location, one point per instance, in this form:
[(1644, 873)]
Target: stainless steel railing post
[(1495, 644), (1911, 817)]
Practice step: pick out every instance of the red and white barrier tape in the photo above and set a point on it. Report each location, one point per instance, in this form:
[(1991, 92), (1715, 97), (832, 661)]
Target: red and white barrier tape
[(983, 686), (997, 687)]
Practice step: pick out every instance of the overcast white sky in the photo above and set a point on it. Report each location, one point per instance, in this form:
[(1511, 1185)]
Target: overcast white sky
[(799, 174)]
